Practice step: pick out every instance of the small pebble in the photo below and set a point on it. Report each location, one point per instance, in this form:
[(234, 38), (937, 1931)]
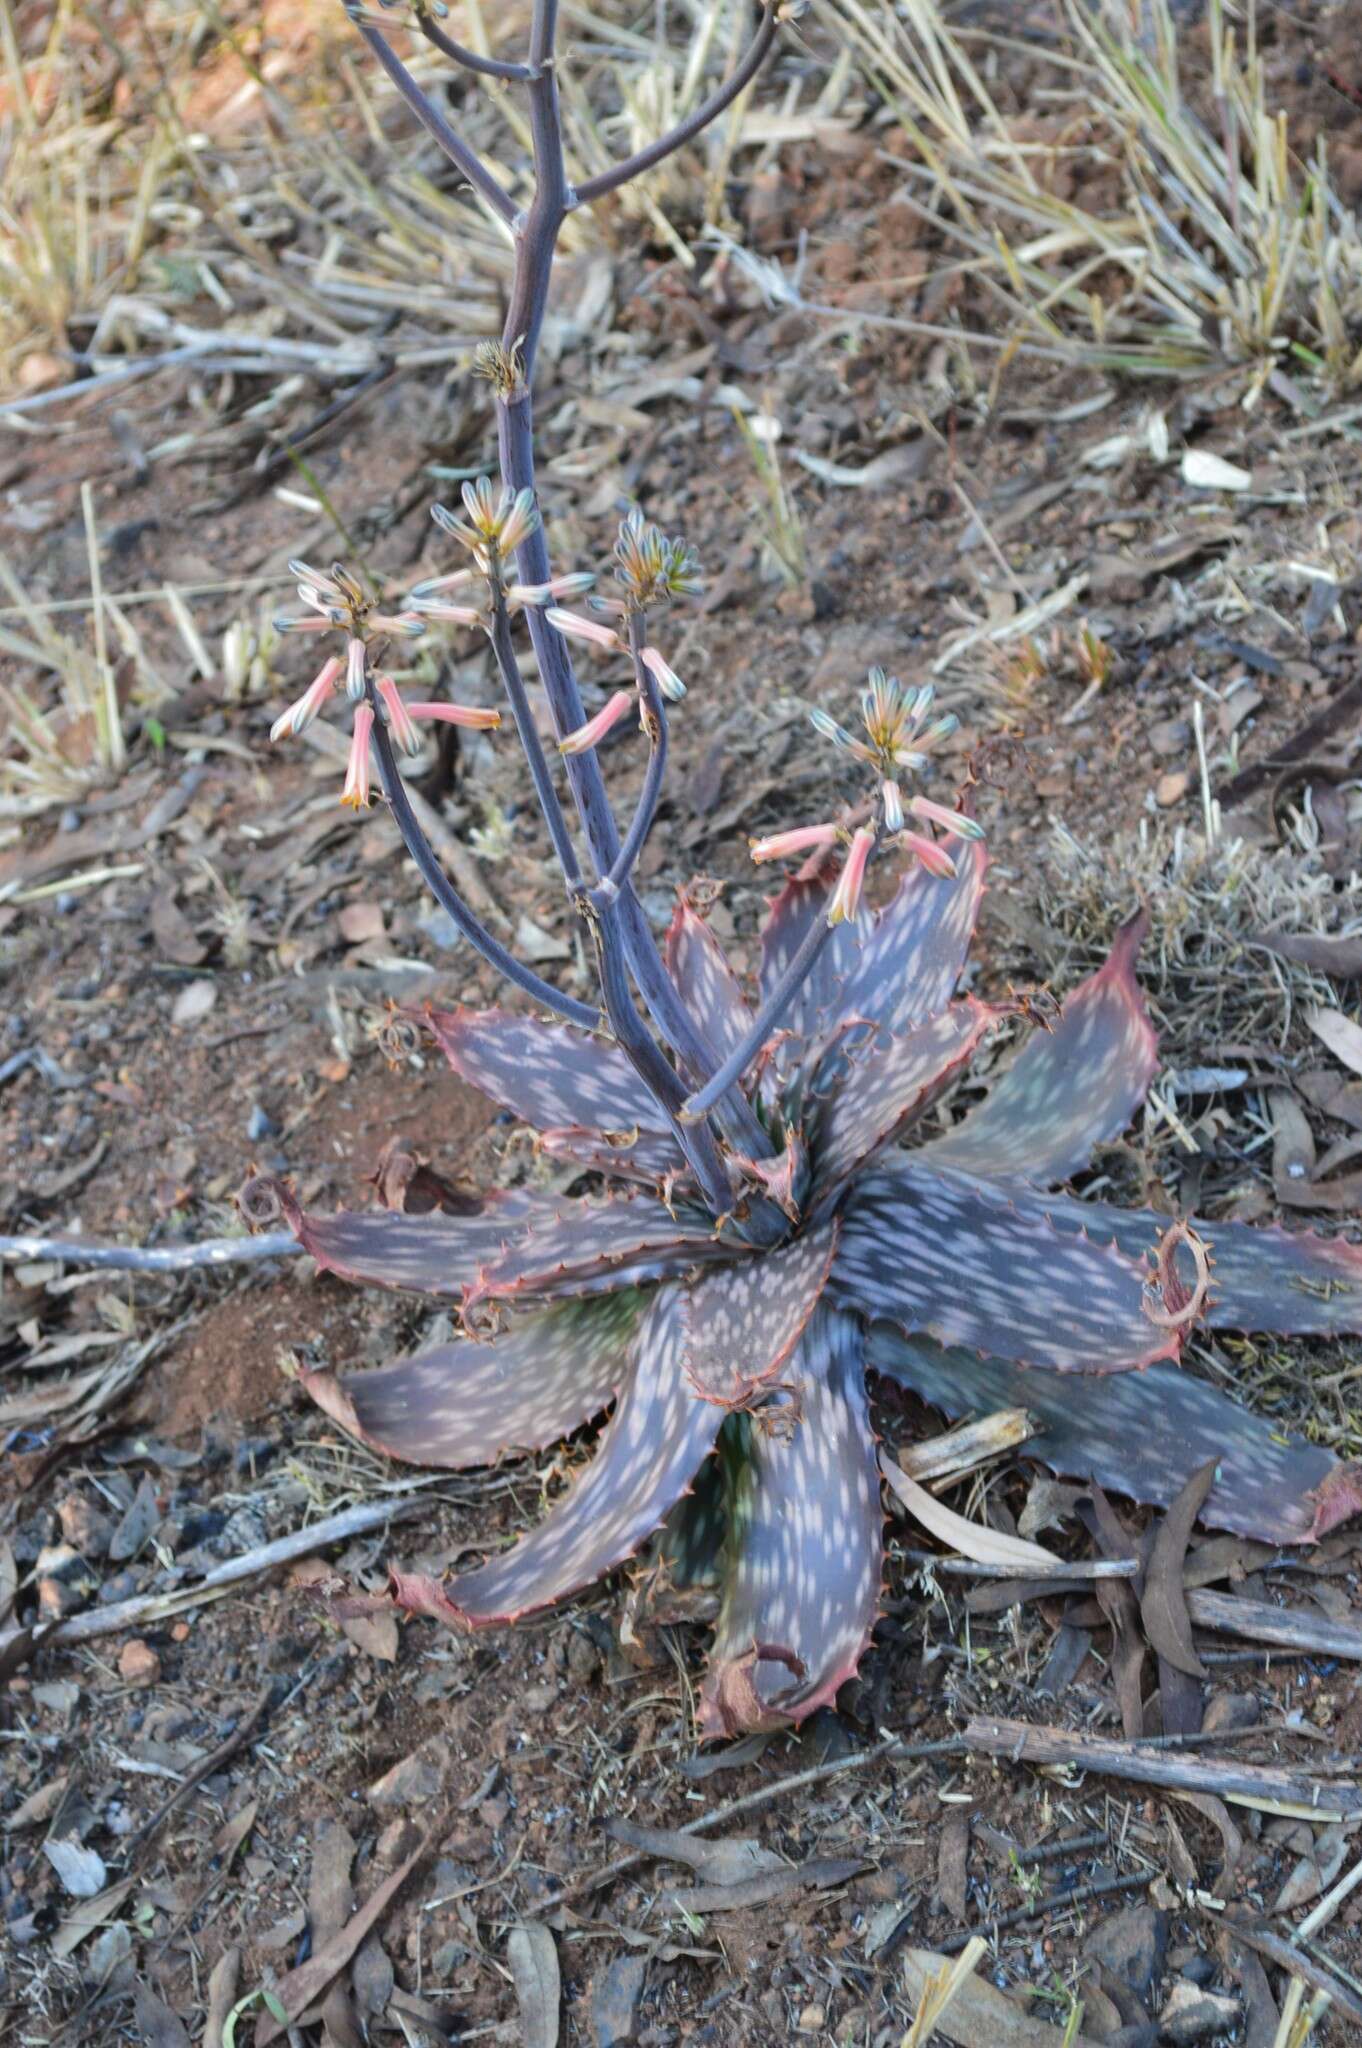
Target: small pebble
[(138, 1663), (70, 820), (260, 1124)]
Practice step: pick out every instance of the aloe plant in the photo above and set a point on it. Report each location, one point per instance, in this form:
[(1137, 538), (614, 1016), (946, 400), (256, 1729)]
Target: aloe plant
[(784, 1208)]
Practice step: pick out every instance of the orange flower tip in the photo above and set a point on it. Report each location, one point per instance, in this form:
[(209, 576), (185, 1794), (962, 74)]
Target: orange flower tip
[(784, 845), (934, 858), (662, 673), (594, 731), (574, 627)]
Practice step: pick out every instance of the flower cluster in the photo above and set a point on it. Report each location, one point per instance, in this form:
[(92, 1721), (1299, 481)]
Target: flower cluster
[(899, 739), (336, 603), (651, 568)]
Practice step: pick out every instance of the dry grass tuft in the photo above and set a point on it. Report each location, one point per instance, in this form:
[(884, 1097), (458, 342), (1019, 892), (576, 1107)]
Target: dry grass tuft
[(1220, 249)]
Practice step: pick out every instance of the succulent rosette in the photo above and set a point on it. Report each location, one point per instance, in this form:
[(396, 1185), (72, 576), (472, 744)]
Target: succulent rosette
[(733, 1366)]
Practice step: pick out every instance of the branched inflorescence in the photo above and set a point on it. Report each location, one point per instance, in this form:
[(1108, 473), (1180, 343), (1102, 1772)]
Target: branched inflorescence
[(764, 1241)]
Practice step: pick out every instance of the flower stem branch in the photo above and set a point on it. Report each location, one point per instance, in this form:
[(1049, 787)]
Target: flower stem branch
[(436, 126), (486, 67), (696, 1140), (685, 131), (767, 1020), (435, 879), (655, 721), (503, 647)]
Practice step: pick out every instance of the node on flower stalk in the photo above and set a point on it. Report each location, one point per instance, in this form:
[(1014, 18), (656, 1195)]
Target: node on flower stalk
[(788, 1208)]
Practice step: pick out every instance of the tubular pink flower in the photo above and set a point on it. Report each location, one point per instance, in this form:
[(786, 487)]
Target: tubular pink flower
[(575, 627), (663, 674), (356, 790), (456, 714), (307, 622), (398, 717), (802, 839), (355, 669), (448, 614), (435, 586), (595, 729), (949, 821), (291, 722), (398, 622), (893, 806), (846, 897), (934, 858)]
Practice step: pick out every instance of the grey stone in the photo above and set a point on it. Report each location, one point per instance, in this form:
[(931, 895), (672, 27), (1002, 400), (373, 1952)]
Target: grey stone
[(1132, 1944), (1192, 2014)]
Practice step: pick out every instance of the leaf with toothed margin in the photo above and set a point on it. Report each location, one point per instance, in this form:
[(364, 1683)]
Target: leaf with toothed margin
[(645, 1156), (1143, 1434), (911, 958), (708, 986), (1069, 1089), (648, 1455), (548, 1075), (804, 1542), (1292, 1282), (948, 1257), (885, 1082), (463, 1404), (434, 1254), (591, 1247), (743, 1322)]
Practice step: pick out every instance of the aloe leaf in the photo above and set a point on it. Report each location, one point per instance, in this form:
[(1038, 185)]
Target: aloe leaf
[(1293, 1282), (435, 1254), (647, 1457), (1069, 1089), (883, 1082), (743, 1321), (463, 1404), (949, 1257), (789, 919), (595, 1246), (804, 1542), (645, 1156), (708, 985), (1142, 1434), (548, 1075)]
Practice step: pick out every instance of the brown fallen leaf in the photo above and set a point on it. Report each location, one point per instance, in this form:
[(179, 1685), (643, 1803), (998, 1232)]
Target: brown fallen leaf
[(175, 937), (820, 1873), (1339, 957), (375, 1634), (719, 1862), (1341, 1034), (157, 2026), (1163, 1605), (533, 1957), (330, 1902), (222, 1989), (1293, 1142), (978, 2015), (300, 1987)]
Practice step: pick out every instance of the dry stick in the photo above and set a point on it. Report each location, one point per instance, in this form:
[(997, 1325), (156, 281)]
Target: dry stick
[(1019, 1742), (204, 1768), (1329, 1904), (1283, 1627), (107, 1621), (165, 1258), (892, 1749), (1056, 1902), (1316, 1973)]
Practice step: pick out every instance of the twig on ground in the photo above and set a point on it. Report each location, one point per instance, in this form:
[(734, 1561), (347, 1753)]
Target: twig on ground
[(1055, 1902), (125, 1614), (165, 1258), (1246, 1784)]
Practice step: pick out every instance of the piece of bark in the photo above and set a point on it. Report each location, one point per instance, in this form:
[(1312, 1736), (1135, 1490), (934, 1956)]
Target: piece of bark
[(1244, 1784), (1286, 1628)]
